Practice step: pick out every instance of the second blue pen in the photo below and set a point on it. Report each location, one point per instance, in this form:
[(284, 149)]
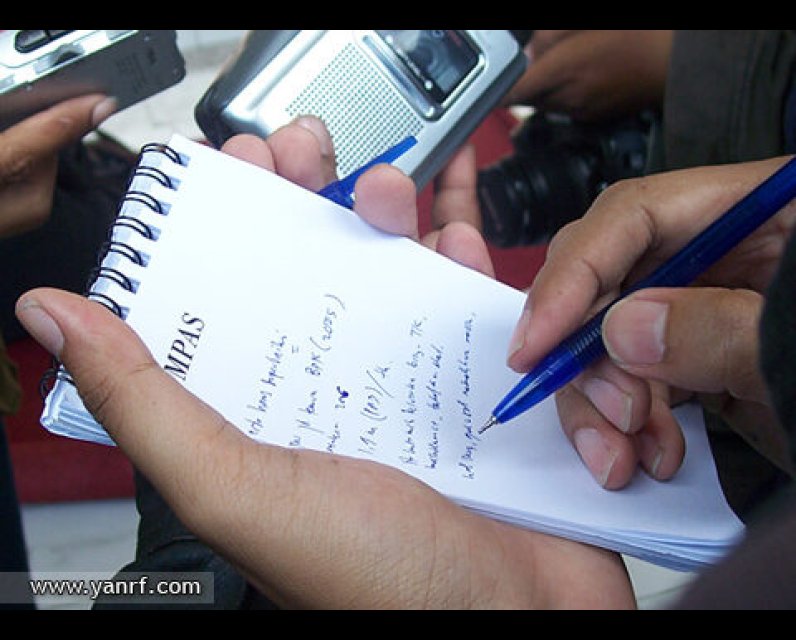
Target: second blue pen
[(342, 191)]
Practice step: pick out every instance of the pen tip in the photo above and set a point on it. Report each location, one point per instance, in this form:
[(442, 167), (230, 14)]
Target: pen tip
[(489, 423)]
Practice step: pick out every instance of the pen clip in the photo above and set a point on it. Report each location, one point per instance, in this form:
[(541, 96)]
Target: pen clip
[(342, 191)]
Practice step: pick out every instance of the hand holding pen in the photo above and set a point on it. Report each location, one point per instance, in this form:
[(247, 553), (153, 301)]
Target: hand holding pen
[(660, 340), (617, 413)]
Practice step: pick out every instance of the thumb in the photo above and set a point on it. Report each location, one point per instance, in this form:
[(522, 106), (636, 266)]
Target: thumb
[(699, 339), (200, 464), (266, 508), (162, 428)]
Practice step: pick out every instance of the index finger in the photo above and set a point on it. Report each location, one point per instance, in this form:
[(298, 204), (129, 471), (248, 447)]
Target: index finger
[(628, 231)]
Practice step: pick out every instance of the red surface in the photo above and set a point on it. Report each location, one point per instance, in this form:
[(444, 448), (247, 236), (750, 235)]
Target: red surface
[(51, 468), (518, 265)]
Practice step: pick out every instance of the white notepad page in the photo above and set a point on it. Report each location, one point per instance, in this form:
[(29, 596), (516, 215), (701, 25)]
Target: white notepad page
[(306, 327)]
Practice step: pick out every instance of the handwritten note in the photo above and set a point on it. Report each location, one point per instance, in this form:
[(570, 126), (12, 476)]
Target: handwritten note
[(307, 328), (390, 408)]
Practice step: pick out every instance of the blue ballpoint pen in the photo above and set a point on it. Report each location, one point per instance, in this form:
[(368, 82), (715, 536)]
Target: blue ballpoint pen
[(585, 346), (342, 191)]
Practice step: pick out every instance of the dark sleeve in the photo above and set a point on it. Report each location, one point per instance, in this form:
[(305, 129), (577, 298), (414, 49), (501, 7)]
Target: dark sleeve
[(761, 573), (778, 341), (730, 98), (726, 96)]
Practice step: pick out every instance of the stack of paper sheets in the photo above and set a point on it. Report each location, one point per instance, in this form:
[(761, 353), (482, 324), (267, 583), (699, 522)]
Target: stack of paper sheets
[(308, 328)]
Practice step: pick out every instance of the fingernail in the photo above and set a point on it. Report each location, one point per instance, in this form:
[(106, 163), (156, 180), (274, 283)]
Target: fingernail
[(650, 453), (518, 337), (635, 331), (611, 401), (41, 326), (319, 130), (103, 110), (597, 456)]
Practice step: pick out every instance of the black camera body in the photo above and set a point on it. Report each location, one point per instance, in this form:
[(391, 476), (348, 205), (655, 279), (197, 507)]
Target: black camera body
[(559, 167)]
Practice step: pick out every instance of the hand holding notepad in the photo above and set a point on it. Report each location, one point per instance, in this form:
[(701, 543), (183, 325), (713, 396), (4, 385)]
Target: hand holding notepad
[(309, 329)]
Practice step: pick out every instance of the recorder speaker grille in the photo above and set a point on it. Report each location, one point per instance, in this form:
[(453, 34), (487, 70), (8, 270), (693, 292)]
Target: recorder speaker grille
[(364, 112)]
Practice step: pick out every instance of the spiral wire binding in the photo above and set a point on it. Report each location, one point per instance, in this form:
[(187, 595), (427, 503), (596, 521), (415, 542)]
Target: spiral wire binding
[(147, 200), (113, 274), (157, 174), (56, 371), (136, 224)]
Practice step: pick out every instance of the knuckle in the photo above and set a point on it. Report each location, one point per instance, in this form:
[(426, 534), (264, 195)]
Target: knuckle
[(738, 340), (563, 237), (98, 396), (104, 395), (15, 167), (622, 190)]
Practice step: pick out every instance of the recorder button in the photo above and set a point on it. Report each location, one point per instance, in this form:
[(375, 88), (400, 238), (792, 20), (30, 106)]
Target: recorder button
[(30, 39), (53, 33)]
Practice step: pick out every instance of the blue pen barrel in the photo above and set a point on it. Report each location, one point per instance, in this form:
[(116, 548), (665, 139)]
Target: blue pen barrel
[(560, 367), (585, 346), (726, 232), (342, 191)]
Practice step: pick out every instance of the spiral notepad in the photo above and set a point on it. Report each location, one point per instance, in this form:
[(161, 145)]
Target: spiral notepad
[(308, 328)]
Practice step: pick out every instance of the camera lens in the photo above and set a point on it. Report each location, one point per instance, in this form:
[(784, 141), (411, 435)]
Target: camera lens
[(526, 198), (558, 168)]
